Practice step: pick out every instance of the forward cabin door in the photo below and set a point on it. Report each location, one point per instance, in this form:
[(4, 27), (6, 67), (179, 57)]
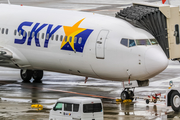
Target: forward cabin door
[(100, 44)]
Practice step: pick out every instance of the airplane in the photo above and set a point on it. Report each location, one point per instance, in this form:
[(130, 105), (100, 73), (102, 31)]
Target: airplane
[(35, 39)]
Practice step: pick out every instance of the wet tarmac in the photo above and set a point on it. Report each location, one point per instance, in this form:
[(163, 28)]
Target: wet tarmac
[(16, 97)]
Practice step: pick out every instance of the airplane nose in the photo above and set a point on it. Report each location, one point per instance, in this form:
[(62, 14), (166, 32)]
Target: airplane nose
[(155, 61)]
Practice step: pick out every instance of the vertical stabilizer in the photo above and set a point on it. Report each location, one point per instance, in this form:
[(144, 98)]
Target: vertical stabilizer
[(9, 2), (166, 2)]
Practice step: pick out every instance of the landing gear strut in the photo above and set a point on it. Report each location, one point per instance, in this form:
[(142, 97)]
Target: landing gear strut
[(127, 94), (26, 75)]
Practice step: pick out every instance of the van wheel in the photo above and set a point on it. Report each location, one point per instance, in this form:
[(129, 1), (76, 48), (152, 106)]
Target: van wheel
[(175, 101)]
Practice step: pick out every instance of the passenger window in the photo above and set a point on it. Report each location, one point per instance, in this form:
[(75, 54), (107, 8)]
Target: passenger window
[(52, 37), (6, 31), (2, 31), (47, 36), (15, 32), (61, 38), (24, 34), (37, 36), (29, 33), (19, 32), (67, 107), (58, 106), (124, 42), (80, 40), (75, 107), (132, 43), (75, 39), (176, 34), (66, 38), (154, 41), (143, 42), (70, 39), (57, 36), (33, 34), (42, 36)]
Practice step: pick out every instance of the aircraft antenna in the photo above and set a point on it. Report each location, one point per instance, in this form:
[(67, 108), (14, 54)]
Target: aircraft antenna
[(9, 2)]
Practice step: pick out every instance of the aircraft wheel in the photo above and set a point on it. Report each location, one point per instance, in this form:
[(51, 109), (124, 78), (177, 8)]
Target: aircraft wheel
[(175, 101), (26, 75), (131, 95), (147, 101), (124, 95), (37, 75)]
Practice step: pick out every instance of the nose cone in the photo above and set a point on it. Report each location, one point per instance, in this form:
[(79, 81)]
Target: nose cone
[(155, 61)]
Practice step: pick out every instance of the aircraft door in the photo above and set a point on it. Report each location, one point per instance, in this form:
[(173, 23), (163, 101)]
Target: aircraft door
[(100, 44)]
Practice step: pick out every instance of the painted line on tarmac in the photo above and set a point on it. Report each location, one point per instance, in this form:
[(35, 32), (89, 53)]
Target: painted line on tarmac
[(83, 94), (79, 93)]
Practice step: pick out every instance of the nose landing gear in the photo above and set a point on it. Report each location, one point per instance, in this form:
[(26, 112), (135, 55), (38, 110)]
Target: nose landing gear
[(127, 94)]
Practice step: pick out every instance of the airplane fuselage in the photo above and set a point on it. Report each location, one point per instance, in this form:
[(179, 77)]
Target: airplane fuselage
[(78, 43)]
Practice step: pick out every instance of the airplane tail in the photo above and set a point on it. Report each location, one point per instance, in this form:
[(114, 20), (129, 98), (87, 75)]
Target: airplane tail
[(166, 2)]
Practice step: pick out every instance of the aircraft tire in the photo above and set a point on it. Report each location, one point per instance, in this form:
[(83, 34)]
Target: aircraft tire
[(37, 75), (147, 101), (124, 95), (174, 100), (131, 95), (26, 77)]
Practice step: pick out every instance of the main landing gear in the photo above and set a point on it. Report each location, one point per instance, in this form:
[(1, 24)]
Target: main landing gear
[(127, 94), (26, 75)]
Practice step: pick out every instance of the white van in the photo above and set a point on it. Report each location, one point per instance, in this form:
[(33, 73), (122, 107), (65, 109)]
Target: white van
[(77, 108)]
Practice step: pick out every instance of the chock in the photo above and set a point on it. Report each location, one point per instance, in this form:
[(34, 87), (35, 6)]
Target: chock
[(118, 100), (127, 101), (38, 106)]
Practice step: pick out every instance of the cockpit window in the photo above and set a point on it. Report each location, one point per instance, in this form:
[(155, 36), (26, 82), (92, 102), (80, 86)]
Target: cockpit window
[(124, 42), (153, 41), (143, 42), (132, 43)]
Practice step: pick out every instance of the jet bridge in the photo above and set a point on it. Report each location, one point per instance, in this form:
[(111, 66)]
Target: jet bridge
[(162, 21)]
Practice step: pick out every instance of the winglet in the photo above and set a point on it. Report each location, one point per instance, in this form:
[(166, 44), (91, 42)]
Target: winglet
[(9, 2)]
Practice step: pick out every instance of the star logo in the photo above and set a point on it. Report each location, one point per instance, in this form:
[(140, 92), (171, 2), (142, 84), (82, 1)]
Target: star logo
[(75, 37), (72, 32)]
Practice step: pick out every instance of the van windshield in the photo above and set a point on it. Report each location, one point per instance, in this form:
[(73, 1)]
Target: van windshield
[(58, 106), (91, 108)]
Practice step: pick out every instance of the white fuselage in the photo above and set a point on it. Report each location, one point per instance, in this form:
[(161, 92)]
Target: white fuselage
[(90, 57)]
